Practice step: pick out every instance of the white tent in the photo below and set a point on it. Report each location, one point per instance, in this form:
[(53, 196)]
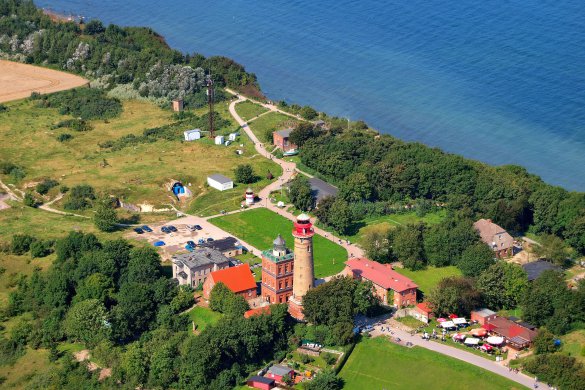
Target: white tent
[(448, 324), (459, 321), (471, 341), (495, 340)]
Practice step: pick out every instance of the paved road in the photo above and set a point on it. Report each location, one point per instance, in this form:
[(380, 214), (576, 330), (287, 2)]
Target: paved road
[(495, 367), (289, 170)]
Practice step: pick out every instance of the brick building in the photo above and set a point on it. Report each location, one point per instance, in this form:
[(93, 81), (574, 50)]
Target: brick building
[(280, 139), (496, 237), (391, 288), (238, 279), (277, 272)]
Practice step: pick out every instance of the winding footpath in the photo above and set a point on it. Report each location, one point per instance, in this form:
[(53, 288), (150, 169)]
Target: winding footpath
[(289, 170)]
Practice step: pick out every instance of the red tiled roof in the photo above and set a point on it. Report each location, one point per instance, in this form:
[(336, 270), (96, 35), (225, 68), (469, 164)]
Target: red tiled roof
[(256, 312), (380, 274), (424, 307), (237, 278)]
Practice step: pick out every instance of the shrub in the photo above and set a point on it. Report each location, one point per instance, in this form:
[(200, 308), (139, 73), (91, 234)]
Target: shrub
[(29, 200), (80, 197), (7, 167), (44, 186), (245, 174), (84, 103), (74, 124), (21, 243), (63, 189), (305, 359), (329, 358), (3, 108), (41, 248), (64, 137)]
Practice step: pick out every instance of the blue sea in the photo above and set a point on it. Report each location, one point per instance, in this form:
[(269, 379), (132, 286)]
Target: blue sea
[(498, 81)]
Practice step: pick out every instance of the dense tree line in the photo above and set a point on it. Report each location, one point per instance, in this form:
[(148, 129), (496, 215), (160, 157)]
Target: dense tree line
[(111, 54), (371, 168), (332, 307)]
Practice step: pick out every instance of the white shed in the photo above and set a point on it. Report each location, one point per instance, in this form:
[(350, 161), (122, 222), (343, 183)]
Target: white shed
[(220, 182), (219, 140), (192, 135), (233, 136)]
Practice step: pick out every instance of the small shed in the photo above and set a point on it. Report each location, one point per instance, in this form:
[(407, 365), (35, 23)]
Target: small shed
[(233, 136), (483, 316), (260, 382), (220, 182), (423, 312), (178, 105), (278, 372), (192, 135), (219, 140)]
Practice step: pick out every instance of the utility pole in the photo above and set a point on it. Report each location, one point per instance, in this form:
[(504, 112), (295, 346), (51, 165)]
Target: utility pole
[(210, 99)]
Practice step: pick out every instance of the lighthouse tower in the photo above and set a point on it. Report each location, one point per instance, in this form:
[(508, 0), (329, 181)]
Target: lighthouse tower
[(249, 197), (303, 272)]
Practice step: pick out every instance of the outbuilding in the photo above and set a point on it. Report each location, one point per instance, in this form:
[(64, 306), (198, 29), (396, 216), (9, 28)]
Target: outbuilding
[(232, 136), (483, 316), (260, 382), (192, 135), (219, 139), (220, 182), (278, 372)]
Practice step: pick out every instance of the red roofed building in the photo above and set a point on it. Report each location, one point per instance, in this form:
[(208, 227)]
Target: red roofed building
[(386, 281), (257, 311), (424, 312), (238, 279), (517, 336)]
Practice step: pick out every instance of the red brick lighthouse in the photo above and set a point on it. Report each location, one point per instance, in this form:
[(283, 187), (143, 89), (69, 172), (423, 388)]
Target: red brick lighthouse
[(303, 272)]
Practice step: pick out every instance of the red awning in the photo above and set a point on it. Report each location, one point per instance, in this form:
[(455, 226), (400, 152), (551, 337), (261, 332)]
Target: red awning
[(453, 316), (488, 327)]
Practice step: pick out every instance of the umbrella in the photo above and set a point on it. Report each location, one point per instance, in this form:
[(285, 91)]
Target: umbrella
[(495, 340), (479, 332), (459, 336), (453, 316), (441, 319), (487, 347), (471, 341)]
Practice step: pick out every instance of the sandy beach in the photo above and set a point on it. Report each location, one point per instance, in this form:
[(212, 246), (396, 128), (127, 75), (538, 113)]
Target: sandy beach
[(18, 81)]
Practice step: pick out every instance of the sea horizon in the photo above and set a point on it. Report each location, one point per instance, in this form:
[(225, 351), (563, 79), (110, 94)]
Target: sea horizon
[(498, 83)]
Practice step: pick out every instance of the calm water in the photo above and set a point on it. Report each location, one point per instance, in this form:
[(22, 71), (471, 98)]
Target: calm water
[(499, 81)]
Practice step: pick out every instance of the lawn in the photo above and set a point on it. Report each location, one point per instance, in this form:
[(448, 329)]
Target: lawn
[(428, 278), (266, 124), (18, 375), (379, 364), (248, 110), (138, 172), (203, 317), (259, 227), (573, 344)]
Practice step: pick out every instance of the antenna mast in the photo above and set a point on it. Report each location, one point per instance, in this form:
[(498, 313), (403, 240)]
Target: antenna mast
[(210, 99)]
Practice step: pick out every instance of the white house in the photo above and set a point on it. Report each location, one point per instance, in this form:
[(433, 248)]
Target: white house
[(219, 140), (192, 135), (220, 182)]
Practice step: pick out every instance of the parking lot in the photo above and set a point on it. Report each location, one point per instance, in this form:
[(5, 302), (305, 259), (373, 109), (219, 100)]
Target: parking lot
[(175, 241)]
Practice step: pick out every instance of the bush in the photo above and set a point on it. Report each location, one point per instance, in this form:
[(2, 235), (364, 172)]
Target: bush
[(245, 174), (84, 103), (64, 137), (44, 186), (80, 197), (29, 200), (41, 248), (329, 358), (21, 244), (63, 189), (74, 124), (3, 108), (305, 359), (105, 218)]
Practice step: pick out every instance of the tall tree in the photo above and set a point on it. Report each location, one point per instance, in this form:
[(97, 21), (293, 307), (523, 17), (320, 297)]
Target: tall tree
[(407, 246), (455, 295), (476, 259), (87, 321), (303, 132), (300, 193), (502, 285)]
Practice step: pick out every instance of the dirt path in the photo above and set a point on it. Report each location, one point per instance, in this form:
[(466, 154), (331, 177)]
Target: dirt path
[(289, 170), (17, 80)]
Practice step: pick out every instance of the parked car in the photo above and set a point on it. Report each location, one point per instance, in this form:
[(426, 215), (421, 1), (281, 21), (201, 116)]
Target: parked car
[(210, 239), (146, 228), (172, 228), (191, 243), (189, 248), (201, 241), (165, 229), (190, 227), (138, 230), (198, 227)]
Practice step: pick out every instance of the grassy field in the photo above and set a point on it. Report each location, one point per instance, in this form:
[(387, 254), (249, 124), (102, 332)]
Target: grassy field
[(18, 375), (203, 317), (386, 222), (378, 364), (266, 124), (138, 172), (573, 344), (248, 110), (259, 227), (428, 278)]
